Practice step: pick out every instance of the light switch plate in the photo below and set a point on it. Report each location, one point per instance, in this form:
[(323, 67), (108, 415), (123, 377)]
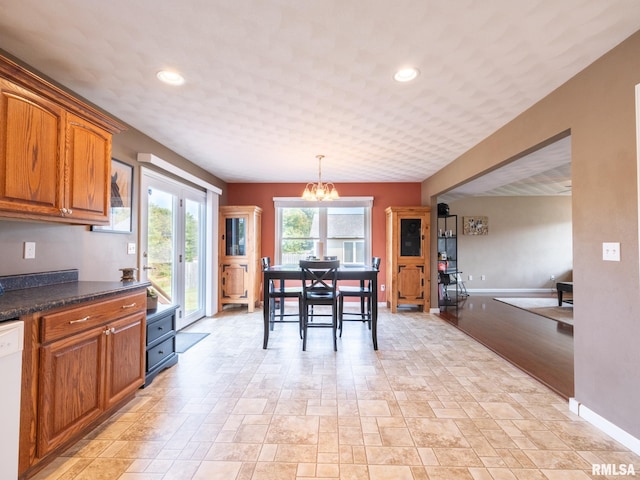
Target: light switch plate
[(131, 248), (29, 250), (611, 251)]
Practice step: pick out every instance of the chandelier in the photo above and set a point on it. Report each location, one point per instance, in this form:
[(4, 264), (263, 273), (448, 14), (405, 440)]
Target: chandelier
[(320, 191)]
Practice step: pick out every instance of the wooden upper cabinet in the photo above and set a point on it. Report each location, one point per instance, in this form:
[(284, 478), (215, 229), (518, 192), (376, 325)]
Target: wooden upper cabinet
[(88, 170), (55, 152), (31, 152)]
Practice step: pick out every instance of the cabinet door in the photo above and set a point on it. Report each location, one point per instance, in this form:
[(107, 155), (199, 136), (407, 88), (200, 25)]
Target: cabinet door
[(31, 153), (88, 157), (410, 282), (234, 236), (411, 238), (125, 357), (234, 281), (71, 387)]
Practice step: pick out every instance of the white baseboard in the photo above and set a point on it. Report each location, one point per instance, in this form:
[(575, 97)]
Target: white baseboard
[(615, 432), (509, 291)]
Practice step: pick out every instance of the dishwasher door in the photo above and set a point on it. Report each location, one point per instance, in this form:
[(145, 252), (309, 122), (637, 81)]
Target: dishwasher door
[(11, 346)]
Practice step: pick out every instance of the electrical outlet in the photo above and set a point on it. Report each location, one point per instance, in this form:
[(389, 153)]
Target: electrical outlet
[(611, 251), (483, 277), (552, 277), (382, 287), (470, 278), (131, 248), (29, 250)]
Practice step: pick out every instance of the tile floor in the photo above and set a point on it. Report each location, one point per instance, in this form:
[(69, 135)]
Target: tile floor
[(431, 403)]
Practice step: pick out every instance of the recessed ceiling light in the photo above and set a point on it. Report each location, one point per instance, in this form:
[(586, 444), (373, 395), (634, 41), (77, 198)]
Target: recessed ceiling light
[(170, 77), (406, 74)]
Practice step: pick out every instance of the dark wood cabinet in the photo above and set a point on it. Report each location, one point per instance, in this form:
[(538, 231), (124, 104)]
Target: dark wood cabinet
[(161, 341)]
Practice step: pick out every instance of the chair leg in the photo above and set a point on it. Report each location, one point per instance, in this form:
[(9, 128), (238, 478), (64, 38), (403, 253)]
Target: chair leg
[(340, 313), (335, 327), (272, 312), (305, 320)]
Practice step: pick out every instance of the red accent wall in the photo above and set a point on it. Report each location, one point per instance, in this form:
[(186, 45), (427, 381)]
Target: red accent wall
[(384, 195)]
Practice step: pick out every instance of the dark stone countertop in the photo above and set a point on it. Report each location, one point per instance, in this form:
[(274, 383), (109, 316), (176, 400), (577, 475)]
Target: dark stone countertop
[(23, 301)]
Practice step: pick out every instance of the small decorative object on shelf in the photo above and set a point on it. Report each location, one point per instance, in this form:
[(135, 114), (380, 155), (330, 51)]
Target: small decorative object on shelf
[(152, 299), (128, 274)]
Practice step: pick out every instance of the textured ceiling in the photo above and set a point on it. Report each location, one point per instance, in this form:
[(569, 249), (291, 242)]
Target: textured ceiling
[(272, 83), (545, 172)]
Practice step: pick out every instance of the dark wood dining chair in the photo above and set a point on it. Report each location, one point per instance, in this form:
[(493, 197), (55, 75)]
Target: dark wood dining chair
[(278, 295), (319, 287), (363, 293)]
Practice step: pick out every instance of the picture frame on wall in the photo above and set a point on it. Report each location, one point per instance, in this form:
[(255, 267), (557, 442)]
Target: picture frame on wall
[(121, 204), (476, 225)]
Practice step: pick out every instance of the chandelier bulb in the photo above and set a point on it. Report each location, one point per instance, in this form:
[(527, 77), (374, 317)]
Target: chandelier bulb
[(320, 191)]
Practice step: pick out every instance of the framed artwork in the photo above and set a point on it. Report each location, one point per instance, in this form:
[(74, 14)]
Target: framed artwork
[(120, 219), (475, 225)]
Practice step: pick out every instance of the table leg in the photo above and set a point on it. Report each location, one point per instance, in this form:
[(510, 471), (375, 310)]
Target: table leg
[(265, 311), (374, 312), (559, 297)]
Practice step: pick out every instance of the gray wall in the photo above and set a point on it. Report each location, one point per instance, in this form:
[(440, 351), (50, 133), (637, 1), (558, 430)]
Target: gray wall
[(598, 107), (529, 240)]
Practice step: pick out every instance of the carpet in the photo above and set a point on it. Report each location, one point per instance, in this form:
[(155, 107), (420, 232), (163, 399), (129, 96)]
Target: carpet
[(186, 340), (546, 307)]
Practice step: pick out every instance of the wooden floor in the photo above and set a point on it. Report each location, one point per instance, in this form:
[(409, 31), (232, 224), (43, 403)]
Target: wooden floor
[(541, 347)]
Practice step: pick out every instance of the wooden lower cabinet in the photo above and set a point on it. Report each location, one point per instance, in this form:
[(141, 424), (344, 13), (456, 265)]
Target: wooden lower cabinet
[(80, 365), (71, 387)]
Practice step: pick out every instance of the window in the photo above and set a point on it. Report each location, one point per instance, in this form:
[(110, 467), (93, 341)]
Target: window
[(341, 228)]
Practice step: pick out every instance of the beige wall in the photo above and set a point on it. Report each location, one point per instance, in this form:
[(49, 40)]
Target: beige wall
[(598, 107), (97, 255), (529, 240)]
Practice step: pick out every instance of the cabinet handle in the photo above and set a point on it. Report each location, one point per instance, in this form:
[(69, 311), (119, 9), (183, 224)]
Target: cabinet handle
[(107, 332), (71, 322), (113, 330), (160, 352), (160, 328), (131, 305)]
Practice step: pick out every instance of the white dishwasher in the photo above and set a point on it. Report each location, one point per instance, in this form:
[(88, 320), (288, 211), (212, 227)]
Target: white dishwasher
[(11, 346)]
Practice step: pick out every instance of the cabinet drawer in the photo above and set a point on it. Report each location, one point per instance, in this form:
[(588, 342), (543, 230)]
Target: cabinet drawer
[(157, 329), (158, 353), (73, 320)]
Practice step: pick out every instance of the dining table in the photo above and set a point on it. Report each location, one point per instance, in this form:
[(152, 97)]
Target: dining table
[(361, 273)]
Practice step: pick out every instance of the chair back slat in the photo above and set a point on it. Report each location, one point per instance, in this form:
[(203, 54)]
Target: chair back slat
[(319, 276)]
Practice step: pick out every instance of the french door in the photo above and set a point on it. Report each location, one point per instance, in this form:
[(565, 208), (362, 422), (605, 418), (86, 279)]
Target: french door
[(172, 253)]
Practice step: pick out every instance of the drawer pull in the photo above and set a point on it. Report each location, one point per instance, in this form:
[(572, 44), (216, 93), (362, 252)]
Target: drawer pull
[(131, 305), (71, 322), (160, 328), (160, 352)]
